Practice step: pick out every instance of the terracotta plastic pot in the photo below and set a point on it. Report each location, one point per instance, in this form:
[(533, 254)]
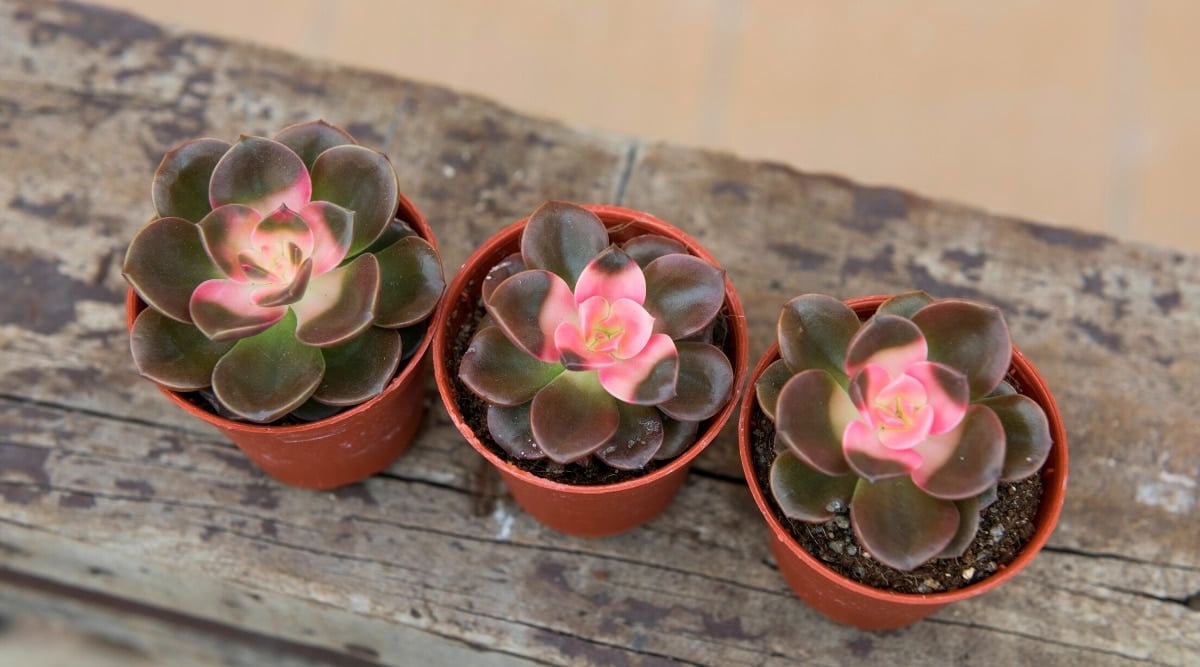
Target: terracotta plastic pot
[(347, 447), (851, 603), (588, 511)]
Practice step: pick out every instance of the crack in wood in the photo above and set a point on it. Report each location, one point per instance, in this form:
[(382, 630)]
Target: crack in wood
[(1070, 551), (1044, 640), (202, 436)]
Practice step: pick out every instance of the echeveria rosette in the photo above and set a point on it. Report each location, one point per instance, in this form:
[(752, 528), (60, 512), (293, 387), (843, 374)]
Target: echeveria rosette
[(595, 348), (905, 419), (276, 274)]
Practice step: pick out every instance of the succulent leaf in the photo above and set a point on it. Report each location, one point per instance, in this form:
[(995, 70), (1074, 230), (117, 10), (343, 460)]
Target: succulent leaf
[(970, 337), (705, 383), (562, 238), (612, 275), (649, 247), (529, 307), (363, 181), (311, 138), (313, 410), (286, 293), (165, 263), (267, 375), (806, 494), (648, 378), (677, 437), (886, 340), (225, 309), (906, 304), (500, 372), (638, 438), (968, 525), (360, 368), (814, 331), (411, 282), (769, 384), (900, 525), (180, 188), (683, 293), (332, 229), (262, 174), (1026, 434), (870, 458), (226, 232), (607, 333), (340, 304), (396, 230), (573, 416), (174, 354), (505, 269), (812, 413), (965, 461), (511, 430)]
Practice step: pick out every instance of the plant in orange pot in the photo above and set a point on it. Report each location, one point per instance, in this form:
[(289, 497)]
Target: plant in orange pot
[(916, 459), (282, 293), (593, 352)]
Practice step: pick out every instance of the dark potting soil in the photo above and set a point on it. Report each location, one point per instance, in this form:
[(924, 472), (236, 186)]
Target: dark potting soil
[(588, 472), (1004, 528)]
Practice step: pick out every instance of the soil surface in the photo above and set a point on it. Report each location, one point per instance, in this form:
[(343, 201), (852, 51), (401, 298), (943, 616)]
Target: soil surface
[(1004, 528)]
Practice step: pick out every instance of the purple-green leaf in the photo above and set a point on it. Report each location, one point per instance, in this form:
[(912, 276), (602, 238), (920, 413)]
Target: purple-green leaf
[(886, 340), (174, 354), (340, 304), (262, 174), (529, 307), (769, 384), (649, 247), (683, 293), (180, 187), (562, 238), (906, 304), (638, 438), (573, 416), (332, 230), (511, 430), (1026, 434), (813, 332), (704, 385), (268, 375), (363, 181), (310, 139), (226, 309), (677, 437), (360, 368), (968, 336), (396, 230), (900, 525), (649, 378), (411, 282), (503, 270), (500, 372), (226, 232), (165, 263), (806, 494), (810, 416), (968, 525), (965, 461)]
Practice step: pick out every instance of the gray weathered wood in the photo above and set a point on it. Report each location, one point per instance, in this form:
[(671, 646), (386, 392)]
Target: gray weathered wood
[(107, 487)]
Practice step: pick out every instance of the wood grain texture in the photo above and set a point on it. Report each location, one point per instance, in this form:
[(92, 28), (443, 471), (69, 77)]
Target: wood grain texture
[(104, 486)]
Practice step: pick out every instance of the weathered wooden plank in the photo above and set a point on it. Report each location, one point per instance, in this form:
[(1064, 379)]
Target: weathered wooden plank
[(107, 487)]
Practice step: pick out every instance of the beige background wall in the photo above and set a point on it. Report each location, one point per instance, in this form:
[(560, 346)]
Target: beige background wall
[(1076, 112)]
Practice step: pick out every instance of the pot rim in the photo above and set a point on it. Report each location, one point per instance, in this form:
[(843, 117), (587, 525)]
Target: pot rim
[(612, 216), (1054, 479), (409, 213)]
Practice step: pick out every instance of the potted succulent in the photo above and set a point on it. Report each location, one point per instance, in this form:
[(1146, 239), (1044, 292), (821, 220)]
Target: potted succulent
[(282, 292), (590, 354), (889, 440)]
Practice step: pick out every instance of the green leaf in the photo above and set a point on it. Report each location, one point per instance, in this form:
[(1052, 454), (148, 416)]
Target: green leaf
[(562, 238), (396, 230), (360, 368), (411, 282), (814, 331), (510, 429), (180, 188), (806, 494), (310, 139), (769, 384), (968, 336), (704, 384), (906, 304), (900, 525), (340, 304), (638, 438), (810, 416), (683, 293), (500, 372), (573, 416), (1027, 438), (363, 181), (174, 354), (269, 374), (165, 263)]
